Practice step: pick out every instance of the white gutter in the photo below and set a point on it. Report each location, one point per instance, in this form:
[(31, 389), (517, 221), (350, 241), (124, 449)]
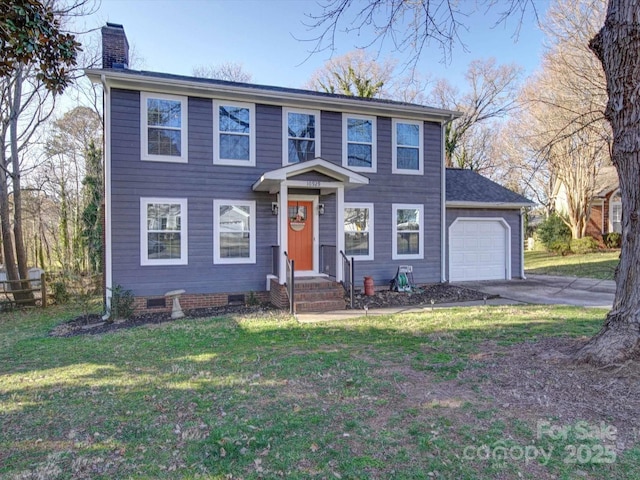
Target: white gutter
[(108, 259), (264, 94), (493, 205)]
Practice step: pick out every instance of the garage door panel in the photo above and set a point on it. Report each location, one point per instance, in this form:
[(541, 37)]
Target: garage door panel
[(477, 250)]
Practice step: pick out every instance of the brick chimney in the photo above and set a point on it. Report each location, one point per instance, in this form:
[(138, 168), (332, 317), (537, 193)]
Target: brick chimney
[(115, 48)]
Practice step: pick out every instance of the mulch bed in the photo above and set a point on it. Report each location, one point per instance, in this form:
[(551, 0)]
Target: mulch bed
[(421, 295)]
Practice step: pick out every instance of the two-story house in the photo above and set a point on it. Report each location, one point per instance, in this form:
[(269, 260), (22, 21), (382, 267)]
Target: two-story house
[(213, 186)]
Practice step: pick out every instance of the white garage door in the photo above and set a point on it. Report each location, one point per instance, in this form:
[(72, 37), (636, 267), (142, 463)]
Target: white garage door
[(477, 250)]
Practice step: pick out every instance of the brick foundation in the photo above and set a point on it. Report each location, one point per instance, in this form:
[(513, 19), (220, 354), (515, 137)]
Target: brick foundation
[(196, 300), (278, 295)]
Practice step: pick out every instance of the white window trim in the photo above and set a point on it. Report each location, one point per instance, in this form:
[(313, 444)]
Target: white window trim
[(217, 160), (216, 231), (394, 239), (144, 247), (345, 143), (371, 229), (144, 132), (285, 132), (394, 145)]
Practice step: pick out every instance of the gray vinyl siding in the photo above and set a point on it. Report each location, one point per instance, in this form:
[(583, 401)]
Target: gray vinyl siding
[(385, 189), (200, 182), (331, 137), (512, 217)]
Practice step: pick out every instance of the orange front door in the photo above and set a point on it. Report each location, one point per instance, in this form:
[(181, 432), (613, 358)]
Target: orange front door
[(300, 224)]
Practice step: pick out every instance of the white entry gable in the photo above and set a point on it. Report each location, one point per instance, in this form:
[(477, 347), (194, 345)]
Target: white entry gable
[(335, 175)]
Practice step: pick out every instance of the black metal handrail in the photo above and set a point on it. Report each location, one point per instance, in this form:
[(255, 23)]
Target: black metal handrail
[(348, 267), (328, 259), (275, 260), (291, 288)]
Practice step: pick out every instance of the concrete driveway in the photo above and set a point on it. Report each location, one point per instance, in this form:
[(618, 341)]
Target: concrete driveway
[(547, 289)]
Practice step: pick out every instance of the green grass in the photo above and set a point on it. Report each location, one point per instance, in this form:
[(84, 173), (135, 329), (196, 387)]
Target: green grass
[(599, 265), (268, 397)]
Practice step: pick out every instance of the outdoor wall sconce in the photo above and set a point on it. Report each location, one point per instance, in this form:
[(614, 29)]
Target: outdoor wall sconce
[(321, 208), (274, 208)]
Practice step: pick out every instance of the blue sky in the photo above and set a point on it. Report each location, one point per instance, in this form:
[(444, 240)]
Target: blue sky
[(173, 36)]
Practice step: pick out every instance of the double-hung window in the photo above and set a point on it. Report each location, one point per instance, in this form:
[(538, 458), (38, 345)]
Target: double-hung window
[(234, 229), (163, 231), (301, 140), (359, 142), (358, 230), (163, 120), (407, 155), (234, 141), (408, 231)]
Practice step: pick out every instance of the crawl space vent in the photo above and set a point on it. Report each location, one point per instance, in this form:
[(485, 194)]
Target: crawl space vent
[(156, 303)]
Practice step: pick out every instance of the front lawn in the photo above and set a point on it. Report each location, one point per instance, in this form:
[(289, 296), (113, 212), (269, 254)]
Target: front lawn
[(471, 393), (599, 265)]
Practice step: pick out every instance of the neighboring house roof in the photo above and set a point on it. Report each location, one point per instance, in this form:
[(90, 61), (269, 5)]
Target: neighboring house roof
[(122, 77), (467, 188), (606, 181)]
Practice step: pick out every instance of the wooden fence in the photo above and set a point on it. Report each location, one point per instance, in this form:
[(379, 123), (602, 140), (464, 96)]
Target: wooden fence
[(7, 292)]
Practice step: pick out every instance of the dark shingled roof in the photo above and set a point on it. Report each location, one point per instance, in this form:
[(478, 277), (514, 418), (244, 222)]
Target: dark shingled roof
[(269, 88), (469, 186), (606, 181)]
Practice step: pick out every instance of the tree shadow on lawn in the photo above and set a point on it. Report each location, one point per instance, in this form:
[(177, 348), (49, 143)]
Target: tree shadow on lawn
[(366, 398)]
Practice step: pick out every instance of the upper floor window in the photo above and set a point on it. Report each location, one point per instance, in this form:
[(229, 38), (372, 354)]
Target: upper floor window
[(407, 231), (164, 127), (359, 142), (234, 124), (358, 230), (407, 147), (234, 230), (163, 231), (302, 135)]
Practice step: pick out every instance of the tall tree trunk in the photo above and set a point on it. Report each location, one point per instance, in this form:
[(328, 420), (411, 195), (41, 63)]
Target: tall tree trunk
[(5, 224), (617, 46), (21, 254)]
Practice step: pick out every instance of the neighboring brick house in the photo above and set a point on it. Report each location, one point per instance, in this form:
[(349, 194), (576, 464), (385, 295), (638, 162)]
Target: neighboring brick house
[(606, 207), (211, 185)]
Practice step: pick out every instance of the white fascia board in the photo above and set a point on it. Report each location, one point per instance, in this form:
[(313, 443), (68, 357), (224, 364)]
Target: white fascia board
[(495, 205), (256, 94)]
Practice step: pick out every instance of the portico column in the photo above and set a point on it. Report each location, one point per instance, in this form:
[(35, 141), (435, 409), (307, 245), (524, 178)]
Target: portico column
[(339, 232), (283, 217)]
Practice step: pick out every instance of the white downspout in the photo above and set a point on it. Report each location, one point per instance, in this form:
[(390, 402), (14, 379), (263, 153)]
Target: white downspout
[(108, 260), (443, 207)]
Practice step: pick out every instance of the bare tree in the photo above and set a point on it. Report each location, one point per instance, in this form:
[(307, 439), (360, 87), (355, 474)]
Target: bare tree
[(563, 110), (491, 95), (61, 177), (360, 74), (616, 46), (229, 71), (355, 73), (37, 59)]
